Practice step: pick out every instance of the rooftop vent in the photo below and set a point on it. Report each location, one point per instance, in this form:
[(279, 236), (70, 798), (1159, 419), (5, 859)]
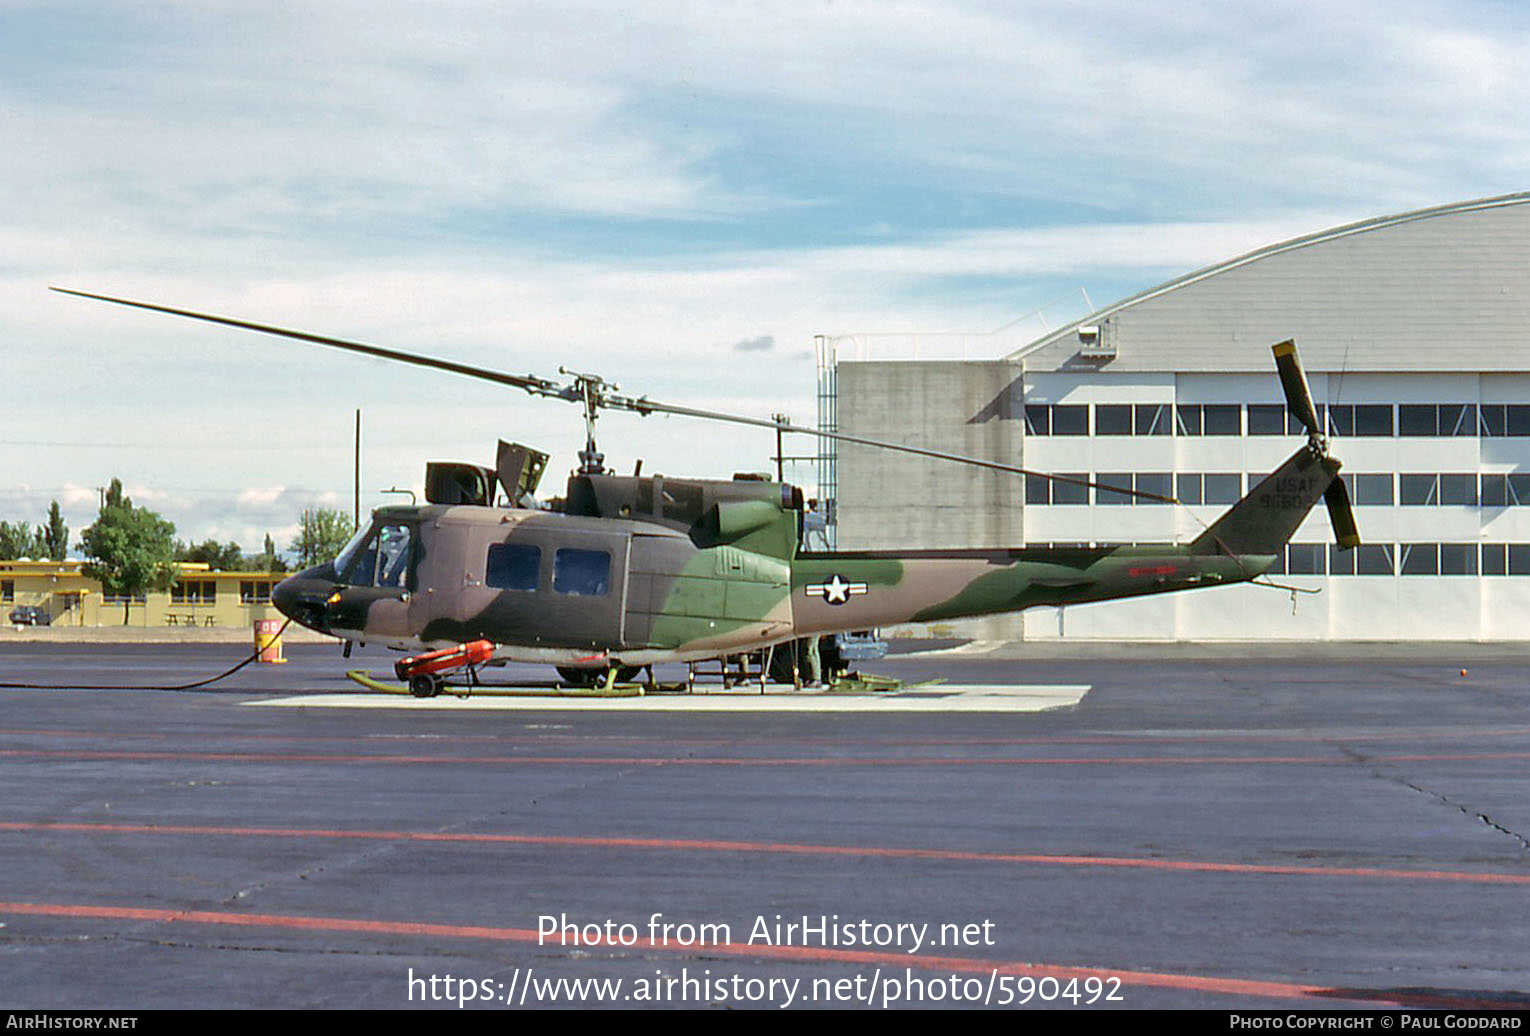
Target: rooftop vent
[(1095, 341)]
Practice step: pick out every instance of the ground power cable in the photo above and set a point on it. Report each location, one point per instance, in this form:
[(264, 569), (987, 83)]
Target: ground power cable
[(147, 687)]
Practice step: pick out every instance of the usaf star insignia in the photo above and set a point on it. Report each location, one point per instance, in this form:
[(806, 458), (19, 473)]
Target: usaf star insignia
[(837, 590)]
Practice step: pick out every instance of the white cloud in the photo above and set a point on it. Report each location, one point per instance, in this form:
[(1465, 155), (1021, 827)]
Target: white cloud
[(634, 191)]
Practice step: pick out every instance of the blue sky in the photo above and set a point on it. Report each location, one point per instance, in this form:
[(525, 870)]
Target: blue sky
[(646, 190)]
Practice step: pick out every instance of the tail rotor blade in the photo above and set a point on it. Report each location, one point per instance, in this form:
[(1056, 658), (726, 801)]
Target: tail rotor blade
[(1294, 381), (1341, 515)]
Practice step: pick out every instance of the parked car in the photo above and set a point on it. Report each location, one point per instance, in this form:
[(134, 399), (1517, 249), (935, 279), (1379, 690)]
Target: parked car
[(30, 615)]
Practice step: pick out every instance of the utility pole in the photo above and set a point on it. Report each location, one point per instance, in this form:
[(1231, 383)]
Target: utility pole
[(356, 480)]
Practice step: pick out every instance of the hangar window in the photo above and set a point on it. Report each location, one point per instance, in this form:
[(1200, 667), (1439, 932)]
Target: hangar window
[(1275, 419), (1315, 559), (1131, 419), (1419, 559), (1418, 490), (1223, 419), (1056, 419), (1113, 419), (1150, 418), (1458, 419), (586, 573), (1436, 419), (1366, 419), (1159, 483), (1070, 420), (1438, 559), (1306, 559), (1374, 421), (1116, 480), (1369, 490), (1340, 562), (1418, 419), (1373, 559), (1503, 419), (1267, 419), (7, 590), (1458, 559), (1071, 494), (1042, 490), (1506, 559), (513, 566), (1449, 490), (1038, 490), (1187, 420), (1458, 490), (1223, 488), (1209, 419), (1189, 489), (1505, 490)]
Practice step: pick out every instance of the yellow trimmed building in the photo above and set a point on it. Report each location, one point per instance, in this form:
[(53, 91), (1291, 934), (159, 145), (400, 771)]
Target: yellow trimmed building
[(200, 597)]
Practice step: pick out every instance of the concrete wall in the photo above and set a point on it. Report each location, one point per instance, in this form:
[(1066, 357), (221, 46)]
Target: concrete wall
[(890, 499)]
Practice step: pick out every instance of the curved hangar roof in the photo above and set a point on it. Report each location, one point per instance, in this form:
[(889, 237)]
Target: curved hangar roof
[(1442, 289)]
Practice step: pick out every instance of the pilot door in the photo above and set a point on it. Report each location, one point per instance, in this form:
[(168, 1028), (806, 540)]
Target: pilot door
[(378, 579)]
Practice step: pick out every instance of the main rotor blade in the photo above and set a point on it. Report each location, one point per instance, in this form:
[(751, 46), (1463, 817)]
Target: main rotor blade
[(534, 385), (1340, 515), (1294, 381), (646, 406), (543, 387)]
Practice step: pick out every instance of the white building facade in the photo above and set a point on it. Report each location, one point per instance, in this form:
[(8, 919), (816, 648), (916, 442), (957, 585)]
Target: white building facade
[(1415, 333)]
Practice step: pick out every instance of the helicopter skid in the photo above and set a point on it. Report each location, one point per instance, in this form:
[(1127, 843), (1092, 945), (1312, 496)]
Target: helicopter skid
[(628, 690)]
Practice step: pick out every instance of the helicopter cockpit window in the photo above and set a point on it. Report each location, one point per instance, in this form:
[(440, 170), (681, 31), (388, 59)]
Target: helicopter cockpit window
[(583, 572), (513, 566), (382, 559), (352, 545)]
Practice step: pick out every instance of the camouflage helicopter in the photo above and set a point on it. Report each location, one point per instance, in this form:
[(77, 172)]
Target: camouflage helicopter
[(635, 570)]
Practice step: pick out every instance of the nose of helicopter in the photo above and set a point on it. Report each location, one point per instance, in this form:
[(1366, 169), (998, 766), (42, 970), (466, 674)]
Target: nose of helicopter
[(302, 597)]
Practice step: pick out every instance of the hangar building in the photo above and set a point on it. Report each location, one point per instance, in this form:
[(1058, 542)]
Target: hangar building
[(1415, 333)]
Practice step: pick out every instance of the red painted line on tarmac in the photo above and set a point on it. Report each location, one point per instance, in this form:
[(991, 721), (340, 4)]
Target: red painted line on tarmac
[(542, 739), (959, 965), (787, 848), (84, 755)]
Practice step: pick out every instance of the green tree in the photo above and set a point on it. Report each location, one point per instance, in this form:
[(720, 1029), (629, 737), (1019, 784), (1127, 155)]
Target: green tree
[(268, 560), (322, 531), (226, 558), (56, 534), (20, 541), (129, 549)]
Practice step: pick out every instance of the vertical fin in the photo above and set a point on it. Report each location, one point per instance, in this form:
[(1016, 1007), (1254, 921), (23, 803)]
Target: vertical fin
[(1264, 521)]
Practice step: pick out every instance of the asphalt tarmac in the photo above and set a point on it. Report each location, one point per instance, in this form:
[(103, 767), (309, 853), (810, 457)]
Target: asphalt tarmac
[(1283, 827)]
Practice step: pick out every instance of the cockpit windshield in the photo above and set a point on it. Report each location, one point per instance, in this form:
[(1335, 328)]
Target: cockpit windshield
[(347, 552)]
